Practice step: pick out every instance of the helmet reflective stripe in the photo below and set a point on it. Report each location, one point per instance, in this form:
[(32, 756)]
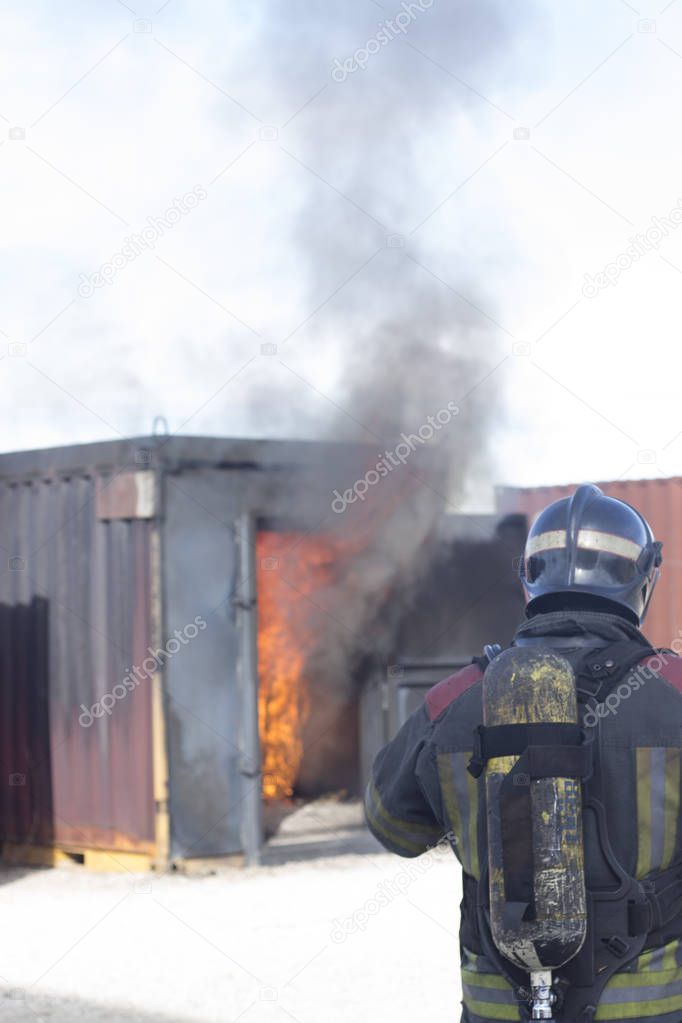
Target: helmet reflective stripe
[(550, 541), (593, 540), (588, 539)]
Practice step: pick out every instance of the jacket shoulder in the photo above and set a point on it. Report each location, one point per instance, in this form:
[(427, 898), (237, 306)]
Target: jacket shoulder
[(668, 666), (445, 692)]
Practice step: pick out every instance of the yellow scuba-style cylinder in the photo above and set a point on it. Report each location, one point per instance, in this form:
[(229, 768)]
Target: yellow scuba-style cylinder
[(530, 735)]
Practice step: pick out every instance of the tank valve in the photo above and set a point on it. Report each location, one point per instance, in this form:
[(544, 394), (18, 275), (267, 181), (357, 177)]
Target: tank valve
[(542, 996)]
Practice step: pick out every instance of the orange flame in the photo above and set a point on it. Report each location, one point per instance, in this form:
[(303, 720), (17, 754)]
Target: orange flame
[(296, 575), (290, 568)]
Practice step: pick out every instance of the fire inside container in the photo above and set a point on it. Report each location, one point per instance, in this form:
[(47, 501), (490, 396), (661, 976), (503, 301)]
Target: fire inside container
[(293, 571)]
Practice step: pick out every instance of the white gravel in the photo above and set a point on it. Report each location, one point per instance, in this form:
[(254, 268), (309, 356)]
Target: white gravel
[(360, 936)]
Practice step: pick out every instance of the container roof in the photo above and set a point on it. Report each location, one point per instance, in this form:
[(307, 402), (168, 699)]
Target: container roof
[(175, 452), (567, 488)]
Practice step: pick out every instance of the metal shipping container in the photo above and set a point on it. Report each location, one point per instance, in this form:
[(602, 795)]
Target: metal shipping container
[(128, 692)]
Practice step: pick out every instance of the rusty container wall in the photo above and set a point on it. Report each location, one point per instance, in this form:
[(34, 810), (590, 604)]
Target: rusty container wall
[(660, 501), (74, 618)]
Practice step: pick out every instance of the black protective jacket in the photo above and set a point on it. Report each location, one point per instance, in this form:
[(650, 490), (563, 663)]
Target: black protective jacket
[(421, 792)]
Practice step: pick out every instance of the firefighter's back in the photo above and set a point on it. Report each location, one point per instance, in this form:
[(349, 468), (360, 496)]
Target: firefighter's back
[(589, 570)]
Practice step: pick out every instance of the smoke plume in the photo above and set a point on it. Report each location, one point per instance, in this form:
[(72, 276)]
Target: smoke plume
[(380, 102)]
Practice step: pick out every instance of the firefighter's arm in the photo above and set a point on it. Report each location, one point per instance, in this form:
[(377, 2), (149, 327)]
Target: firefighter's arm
[(397, 811)]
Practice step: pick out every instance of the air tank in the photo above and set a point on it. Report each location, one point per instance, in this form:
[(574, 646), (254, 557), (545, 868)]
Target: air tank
[(538, 913)]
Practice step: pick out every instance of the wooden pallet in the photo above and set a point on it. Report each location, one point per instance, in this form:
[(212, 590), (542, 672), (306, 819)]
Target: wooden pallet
[(100, 860)]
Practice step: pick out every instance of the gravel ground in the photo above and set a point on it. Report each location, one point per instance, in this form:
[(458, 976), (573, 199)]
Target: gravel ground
[(355, 935)]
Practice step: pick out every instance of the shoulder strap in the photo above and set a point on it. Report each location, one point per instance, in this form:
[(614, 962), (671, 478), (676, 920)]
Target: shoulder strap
[(598, 671)]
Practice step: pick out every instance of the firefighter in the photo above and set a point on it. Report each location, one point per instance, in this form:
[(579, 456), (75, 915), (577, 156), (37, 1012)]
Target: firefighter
[(589, 570)]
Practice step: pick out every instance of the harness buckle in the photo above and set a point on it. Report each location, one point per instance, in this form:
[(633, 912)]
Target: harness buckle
[(616, 945), (476, 765)]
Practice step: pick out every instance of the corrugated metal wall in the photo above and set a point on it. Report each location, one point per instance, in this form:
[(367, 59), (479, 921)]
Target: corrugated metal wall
[(660, 501), (74, 618)]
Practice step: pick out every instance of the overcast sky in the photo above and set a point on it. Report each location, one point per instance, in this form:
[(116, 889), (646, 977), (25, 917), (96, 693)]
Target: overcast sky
[(561, 143)]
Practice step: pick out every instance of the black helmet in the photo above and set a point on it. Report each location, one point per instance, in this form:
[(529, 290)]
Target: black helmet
[(594, 545)]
